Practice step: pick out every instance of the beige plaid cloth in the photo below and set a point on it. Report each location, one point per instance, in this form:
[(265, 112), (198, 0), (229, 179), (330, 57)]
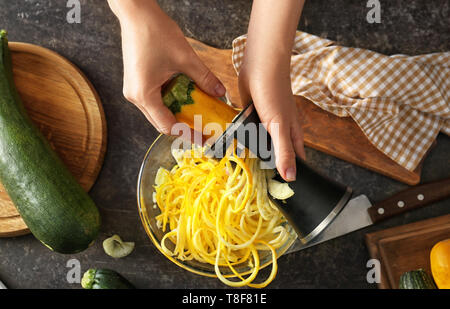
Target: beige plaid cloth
[(401, 103)]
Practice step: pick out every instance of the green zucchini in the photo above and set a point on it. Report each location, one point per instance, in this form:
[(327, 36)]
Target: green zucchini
[(416, 279), (104, 279), (53, 205)]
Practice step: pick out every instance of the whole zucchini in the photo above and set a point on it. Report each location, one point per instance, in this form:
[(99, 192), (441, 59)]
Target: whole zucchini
[(416, 279), (104, 279), (53, 205)]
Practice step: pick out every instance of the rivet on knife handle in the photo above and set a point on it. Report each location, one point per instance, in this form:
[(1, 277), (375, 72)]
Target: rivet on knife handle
[(412, 198)]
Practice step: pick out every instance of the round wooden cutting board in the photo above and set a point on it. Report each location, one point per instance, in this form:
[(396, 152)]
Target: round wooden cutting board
[(66, 108)]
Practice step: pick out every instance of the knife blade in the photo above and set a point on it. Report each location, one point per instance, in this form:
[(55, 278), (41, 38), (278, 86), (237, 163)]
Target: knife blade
[(360, 213), (2, 286)]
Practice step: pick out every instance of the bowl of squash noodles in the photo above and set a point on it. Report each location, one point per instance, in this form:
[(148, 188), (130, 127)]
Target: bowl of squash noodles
[(213, 217)]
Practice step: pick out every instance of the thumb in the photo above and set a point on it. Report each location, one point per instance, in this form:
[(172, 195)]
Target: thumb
[(204, 78), (284, 150)]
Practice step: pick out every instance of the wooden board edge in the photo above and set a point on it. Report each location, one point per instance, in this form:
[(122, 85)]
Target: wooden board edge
[(17, 232)]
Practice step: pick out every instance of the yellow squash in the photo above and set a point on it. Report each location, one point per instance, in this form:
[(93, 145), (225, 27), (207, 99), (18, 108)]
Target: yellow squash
[(186, 100), (440, 264)]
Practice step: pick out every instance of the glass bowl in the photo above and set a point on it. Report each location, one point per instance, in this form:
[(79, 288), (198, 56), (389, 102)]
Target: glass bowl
[(159, 155)]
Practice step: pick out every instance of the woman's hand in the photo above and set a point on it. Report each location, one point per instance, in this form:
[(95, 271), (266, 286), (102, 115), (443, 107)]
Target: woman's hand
[(265, 78), (271, 93), (154, 49)]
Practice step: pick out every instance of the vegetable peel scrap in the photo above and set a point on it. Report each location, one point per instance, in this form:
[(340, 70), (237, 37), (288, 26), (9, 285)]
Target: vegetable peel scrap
[(116, 248), (279, 190), (220, 213)]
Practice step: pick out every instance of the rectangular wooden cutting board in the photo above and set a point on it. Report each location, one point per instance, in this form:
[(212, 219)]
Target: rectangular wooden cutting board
[(339, 137), (406, 247)]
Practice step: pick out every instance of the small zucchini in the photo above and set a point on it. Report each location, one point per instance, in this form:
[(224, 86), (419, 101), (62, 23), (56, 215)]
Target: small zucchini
[(104, 279), (416, 279)]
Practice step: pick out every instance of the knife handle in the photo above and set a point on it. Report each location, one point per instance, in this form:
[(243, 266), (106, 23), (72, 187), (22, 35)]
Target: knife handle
[(412, 198)]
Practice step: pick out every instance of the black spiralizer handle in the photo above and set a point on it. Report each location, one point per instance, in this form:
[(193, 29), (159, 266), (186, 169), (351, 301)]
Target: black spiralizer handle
[(317, 200)]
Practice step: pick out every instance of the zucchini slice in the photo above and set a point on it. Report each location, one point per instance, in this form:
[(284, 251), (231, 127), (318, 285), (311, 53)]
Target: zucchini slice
[(116, 248)]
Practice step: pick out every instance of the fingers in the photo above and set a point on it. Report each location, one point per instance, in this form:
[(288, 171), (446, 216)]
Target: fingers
[(147, 115), (243, 91), (156, 112), (297, 139), (153, 108), (161, 117), (284, 149), (288, 142), (203, 77)]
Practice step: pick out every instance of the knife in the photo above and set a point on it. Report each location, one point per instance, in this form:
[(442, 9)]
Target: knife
[(360, 213), (2, 286)]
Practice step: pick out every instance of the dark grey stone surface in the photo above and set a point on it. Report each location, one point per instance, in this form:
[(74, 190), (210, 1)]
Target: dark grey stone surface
[(410, 27)]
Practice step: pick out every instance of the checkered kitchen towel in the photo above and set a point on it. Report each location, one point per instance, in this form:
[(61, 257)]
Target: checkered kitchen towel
[(400, 102)]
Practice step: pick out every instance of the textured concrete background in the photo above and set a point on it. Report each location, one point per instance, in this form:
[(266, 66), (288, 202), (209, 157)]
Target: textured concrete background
[(410, 27)]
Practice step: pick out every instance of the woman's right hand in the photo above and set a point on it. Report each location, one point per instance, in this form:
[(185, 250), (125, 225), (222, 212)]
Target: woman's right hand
[(154, 49)]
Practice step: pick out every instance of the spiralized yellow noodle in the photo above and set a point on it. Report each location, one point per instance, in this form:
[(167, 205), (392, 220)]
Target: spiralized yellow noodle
[(219, 212)]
